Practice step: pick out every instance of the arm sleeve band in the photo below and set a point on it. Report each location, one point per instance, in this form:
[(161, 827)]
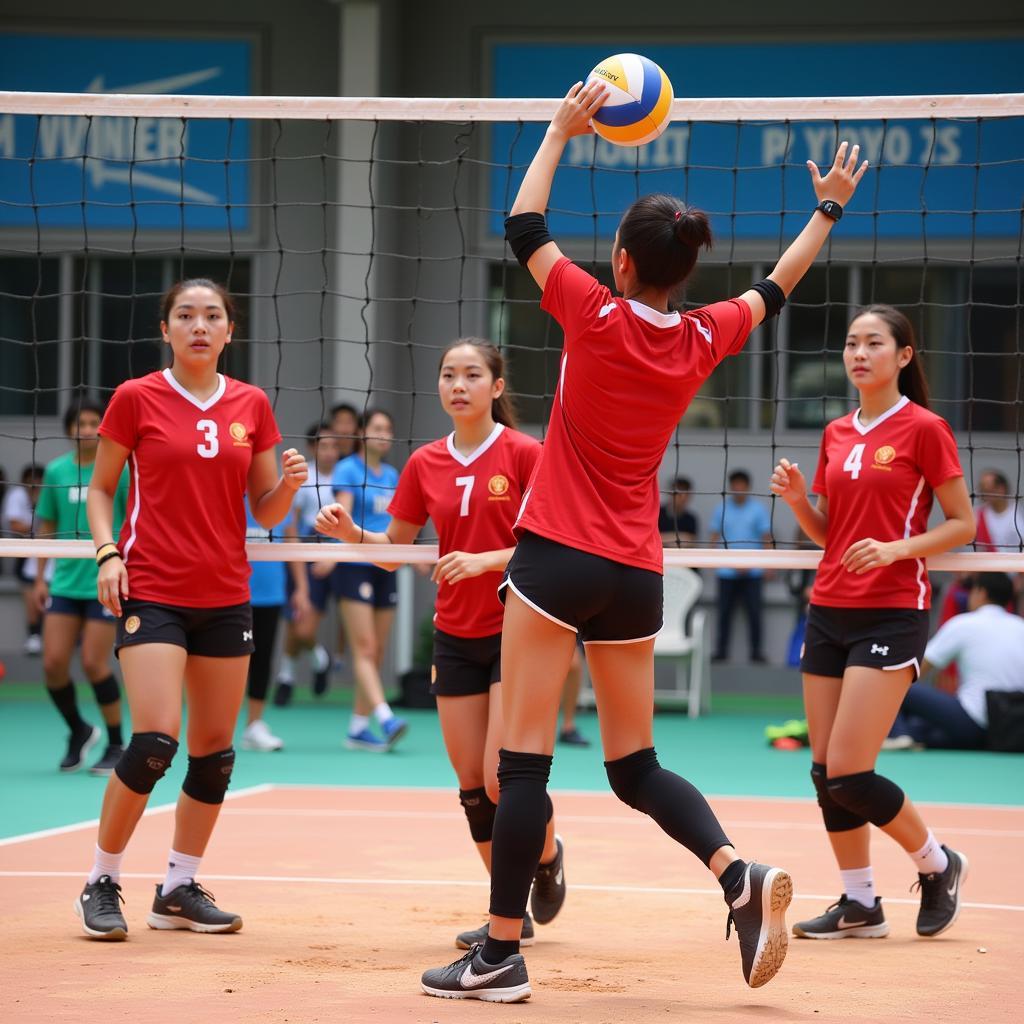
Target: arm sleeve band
[(774, 297), (526, 233)]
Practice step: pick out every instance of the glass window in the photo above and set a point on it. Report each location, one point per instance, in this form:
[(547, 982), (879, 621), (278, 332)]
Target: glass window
[(29, 336)]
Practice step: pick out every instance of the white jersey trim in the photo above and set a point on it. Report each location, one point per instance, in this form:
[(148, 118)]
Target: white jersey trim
[(921, 588), (189, 397), (862, 430), (468, 460), (132, 535), (507, 582), (653, 317)]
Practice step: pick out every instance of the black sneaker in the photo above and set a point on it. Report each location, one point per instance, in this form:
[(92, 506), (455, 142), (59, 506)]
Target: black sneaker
[(190, 906), (845, 919), (105, 765), (79, 744), (471, 977), (321, 670), (548, 893), (573, 738), (283, 694), (477, 937), (759, 913), (940, 895), (99, 907)]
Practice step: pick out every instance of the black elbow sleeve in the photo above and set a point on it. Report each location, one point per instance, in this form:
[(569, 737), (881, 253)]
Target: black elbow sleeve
[(774, 297), (526, 233)]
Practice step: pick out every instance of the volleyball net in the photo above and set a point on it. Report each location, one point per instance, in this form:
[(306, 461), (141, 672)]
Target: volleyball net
[(360, 237)]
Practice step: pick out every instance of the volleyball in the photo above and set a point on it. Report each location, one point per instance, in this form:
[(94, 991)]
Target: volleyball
[(639, 106)]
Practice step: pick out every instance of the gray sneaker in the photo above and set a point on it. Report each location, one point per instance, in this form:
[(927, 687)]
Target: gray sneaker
[(940, 895), (845, 919), (99, 907), (478, 936), (471, 977), (758, 912), (548, 892), (190, 906)]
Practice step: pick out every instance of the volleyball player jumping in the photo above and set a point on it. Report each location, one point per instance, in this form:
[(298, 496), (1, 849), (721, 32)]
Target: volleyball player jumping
[(178, 581), (879, 469), (589, 558), (470, 484)]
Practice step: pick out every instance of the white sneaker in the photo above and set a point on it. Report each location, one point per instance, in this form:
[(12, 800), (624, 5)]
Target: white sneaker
[(257, 736), (33, 644)]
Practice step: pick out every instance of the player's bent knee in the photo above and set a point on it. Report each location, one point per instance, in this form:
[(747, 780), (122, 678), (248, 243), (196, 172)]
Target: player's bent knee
[(868, 795), (208, 777), (479, 810), (145, 759), (626, 775), (836, 817), (106, 691)]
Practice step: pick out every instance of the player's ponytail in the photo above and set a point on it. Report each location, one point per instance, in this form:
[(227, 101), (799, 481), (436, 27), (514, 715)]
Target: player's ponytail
[(663, 236), (503, 408), (912, 381)]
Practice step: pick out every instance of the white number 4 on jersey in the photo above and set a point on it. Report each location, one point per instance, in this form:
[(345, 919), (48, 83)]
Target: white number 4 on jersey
[(854, 460)]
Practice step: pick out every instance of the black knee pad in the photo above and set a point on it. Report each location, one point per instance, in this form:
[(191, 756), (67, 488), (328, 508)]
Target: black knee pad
[(872, 797), (207, 777), (479, 810), (627, 774), (145, 759), (106, 691), (836, 817)]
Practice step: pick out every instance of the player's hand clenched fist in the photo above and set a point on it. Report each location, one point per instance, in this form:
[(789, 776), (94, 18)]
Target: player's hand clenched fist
[(294, 470), (333, 521)]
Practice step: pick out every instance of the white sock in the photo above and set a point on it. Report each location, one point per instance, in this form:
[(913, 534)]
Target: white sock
[(181, 868), (383, 713), (859, 885), (106, 864), (286, 670), (931, 858), (320, 658), (357, 723)]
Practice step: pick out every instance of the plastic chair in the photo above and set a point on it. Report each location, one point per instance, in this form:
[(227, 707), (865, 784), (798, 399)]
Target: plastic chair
[(684, 641)]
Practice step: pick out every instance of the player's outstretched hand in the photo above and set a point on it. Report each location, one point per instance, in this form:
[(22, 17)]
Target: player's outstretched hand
[(788, 483), (459, 565), (333, 521), (581, 103), (294, 470), (842, 178)]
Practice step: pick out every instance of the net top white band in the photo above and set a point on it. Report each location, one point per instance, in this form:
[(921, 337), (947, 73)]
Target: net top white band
[(393, 108), (696, 558)]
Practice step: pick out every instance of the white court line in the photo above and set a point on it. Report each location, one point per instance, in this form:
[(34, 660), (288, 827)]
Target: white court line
[(586, 819), (78, 826), (633, 890), (603, 793)]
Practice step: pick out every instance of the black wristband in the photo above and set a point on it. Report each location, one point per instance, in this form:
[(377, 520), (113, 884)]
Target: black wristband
[(774, 297), (526, 233), (107, 557), (831, 209)]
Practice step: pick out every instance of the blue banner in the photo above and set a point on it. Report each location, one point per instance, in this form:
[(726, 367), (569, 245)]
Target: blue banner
[(124, 172), (942, 179)]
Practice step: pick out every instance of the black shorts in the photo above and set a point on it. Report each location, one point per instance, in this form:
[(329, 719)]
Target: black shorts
[(882, 638), (80, 608), (463, 666), (604, 602), (368, 584), (207, 632)]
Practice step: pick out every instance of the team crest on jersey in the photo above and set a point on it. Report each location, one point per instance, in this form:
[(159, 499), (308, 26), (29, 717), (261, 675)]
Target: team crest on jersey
[(132, 623), (498, 486), (883, 456), (239, 435)]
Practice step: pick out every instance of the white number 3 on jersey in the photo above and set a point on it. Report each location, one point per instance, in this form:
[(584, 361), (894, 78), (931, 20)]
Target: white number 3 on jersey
[(854, 459), (210, 446)]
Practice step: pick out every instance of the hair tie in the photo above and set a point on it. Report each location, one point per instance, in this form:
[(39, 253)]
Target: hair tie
[(679, 214)]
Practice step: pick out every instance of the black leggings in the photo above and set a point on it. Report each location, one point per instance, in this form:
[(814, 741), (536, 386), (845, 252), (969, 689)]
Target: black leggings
[(264, 633)]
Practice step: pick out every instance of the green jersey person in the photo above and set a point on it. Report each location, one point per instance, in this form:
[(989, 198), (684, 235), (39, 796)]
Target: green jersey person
[(73, 614)]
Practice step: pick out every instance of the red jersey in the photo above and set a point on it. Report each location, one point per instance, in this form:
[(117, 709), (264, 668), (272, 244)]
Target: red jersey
[(183, 538), (627, 375), (880, 481), (473, 501)]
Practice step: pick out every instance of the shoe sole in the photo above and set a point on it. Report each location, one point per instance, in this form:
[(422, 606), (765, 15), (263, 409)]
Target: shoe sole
[(249, 745), (114, 935), (541, 918), (956, 910), (773, 943), (163, 922), (868, 931), (356, 745), (103, 773), (397, 735), (494, 995), (86, 747)]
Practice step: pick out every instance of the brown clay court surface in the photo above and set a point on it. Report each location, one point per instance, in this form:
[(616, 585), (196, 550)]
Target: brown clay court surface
[(348, 894)]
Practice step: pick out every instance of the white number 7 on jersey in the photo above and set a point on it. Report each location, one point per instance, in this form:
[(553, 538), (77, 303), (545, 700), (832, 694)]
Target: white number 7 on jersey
[(465, 482), (853, 460)]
